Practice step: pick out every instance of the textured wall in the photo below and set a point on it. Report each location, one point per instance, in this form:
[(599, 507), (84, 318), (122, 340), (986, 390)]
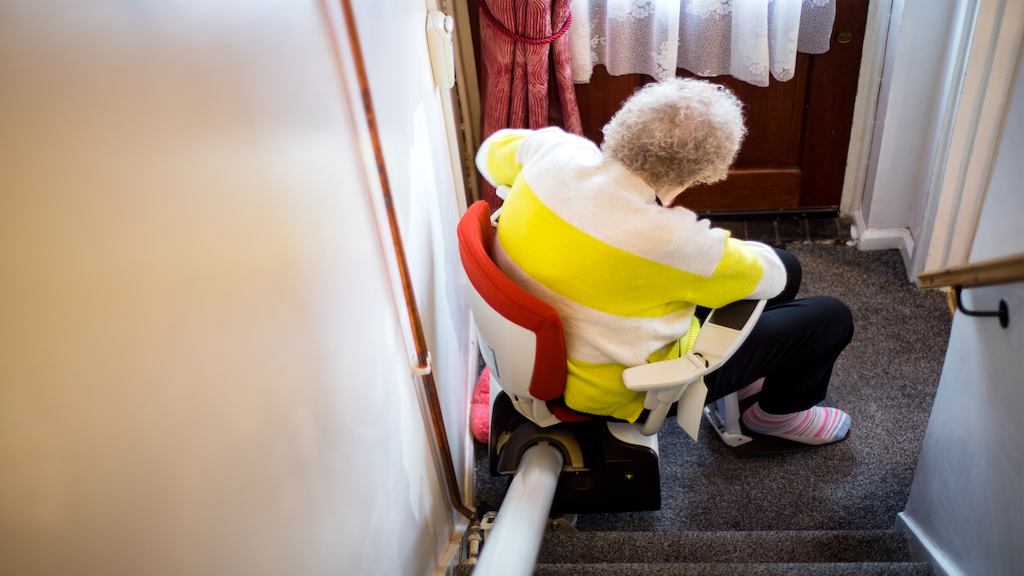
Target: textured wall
[(393, 35), (966, 496), (202, 369)]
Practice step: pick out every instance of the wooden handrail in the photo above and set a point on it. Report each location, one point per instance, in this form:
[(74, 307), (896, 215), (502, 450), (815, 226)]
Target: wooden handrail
[(423, 366), (974, 274)]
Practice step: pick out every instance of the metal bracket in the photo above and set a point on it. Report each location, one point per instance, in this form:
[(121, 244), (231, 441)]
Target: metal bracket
[(421, 369), (564, 523), (1003, 313)]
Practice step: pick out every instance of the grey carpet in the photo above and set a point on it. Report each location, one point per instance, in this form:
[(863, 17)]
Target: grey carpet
[(810, 552), (725, 547), (821, 553), (885, 379), (815, 569)]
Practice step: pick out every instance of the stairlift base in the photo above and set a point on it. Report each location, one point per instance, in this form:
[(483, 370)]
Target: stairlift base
[(603, 471), (564, 523)]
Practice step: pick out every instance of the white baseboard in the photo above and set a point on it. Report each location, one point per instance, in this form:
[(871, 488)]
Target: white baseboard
[(923, 549), (453, 552), (884, 239)]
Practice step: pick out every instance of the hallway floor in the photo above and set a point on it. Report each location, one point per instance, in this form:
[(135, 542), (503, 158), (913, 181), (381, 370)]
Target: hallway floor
[(783, 229), (885, 379)]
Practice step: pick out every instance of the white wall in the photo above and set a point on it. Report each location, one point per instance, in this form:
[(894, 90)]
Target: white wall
[(920, 50), (202, 369), (966, 499), (999, 232), (410, 113)]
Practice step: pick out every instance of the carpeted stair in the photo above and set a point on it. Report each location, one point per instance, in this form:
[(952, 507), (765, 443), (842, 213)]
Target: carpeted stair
[(828, 511), (727, 553), (828, 553)]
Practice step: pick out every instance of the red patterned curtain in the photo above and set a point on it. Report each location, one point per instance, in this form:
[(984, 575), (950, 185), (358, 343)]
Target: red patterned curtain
[(520, 41)]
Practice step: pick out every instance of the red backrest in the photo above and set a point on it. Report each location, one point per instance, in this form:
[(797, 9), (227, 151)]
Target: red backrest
[(476, 240)]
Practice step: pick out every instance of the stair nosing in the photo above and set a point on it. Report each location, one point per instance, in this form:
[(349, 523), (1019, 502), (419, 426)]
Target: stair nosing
[(800, 546)]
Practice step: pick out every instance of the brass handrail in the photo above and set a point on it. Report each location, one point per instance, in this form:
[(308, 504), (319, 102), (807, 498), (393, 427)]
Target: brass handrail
[(975, 274), (986, 273)]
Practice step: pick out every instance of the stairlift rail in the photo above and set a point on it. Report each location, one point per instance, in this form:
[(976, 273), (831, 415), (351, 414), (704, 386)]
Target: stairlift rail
[(512, 547)]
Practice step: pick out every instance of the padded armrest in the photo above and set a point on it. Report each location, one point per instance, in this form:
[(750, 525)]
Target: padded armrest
[(725, 330), (664, 382), (664, 375)]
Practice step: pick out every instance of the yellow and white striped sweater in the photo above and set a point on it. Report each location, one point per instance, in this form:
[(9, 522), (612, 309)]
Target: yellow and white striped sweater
[(585, 235)]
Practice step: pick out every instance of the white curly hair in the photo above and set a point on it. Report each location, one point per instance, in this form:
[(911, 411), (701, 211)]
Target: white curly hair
[(677, 133)]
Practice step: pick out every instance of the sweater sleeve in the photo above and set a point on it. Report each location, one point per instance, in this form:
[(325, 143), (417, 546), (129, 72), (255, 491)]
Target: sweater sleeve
[(773, 279), (497, 159), (745, 271)]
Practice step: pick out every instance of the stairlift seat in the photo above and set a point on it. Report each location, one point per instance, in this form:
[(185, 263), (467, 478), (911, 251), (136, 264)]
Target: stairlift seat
[(607, 465), (522, 341), (520, 337)]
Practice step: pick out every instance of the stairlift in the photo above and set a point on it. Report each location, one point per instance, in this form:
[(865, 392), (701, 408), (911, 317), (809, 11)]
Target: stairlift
[(606, 465)]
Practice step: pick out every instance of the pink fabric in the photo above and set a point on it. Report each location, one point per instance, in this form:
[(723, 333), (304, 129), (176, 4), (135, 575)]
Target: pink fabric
[(514, 75), (480, 408)]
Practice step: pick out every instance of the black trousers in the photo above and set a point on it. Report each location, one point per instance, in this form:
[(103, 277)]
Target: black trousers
[(793, 346)]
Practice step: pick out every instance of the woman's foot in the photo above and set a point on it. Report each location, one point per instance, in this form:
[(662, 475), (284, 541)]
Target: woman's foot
[(816, 425)]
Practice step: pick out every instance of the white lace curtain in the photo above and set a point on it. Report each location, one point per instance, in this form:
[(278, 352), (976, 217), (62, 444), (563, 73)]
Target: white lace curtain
[(747, 39)]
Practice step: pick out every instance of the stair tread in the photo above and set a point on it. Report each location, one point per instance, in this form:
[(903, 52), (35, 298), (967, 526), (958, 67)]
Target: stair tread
[(747, 569), (726, 546)]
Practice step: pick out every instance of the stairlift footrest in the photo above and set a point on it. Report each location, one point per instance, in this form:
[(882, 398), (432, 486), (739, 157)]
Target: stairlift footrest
[(723, 416)]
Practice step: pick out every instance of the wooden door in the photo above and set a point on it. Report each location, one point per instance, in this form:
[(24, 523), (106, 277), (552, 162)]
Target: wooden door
[(794, 156)]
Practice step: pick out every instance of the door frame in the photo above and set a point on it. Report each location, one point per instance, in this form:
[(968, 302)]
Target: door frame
[(971, 103), (876, 35), (993, 34)]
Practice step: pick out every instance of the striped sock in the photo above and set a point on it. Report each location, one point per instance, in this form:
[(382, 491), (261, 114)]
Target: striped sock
[(816, 425)]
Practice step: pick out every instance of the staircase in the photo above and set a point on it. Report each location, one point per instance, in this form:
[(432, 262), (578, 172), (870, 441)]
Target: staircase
[(732, 553)]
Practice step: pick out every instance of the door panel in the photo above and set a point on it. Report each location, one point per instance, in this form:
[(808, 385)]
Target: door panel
[(794, 155)]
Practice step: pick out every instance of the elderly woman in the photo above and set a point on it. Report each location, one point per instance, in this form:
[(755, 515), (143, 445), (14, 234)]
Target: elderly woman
[(591, 232)]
